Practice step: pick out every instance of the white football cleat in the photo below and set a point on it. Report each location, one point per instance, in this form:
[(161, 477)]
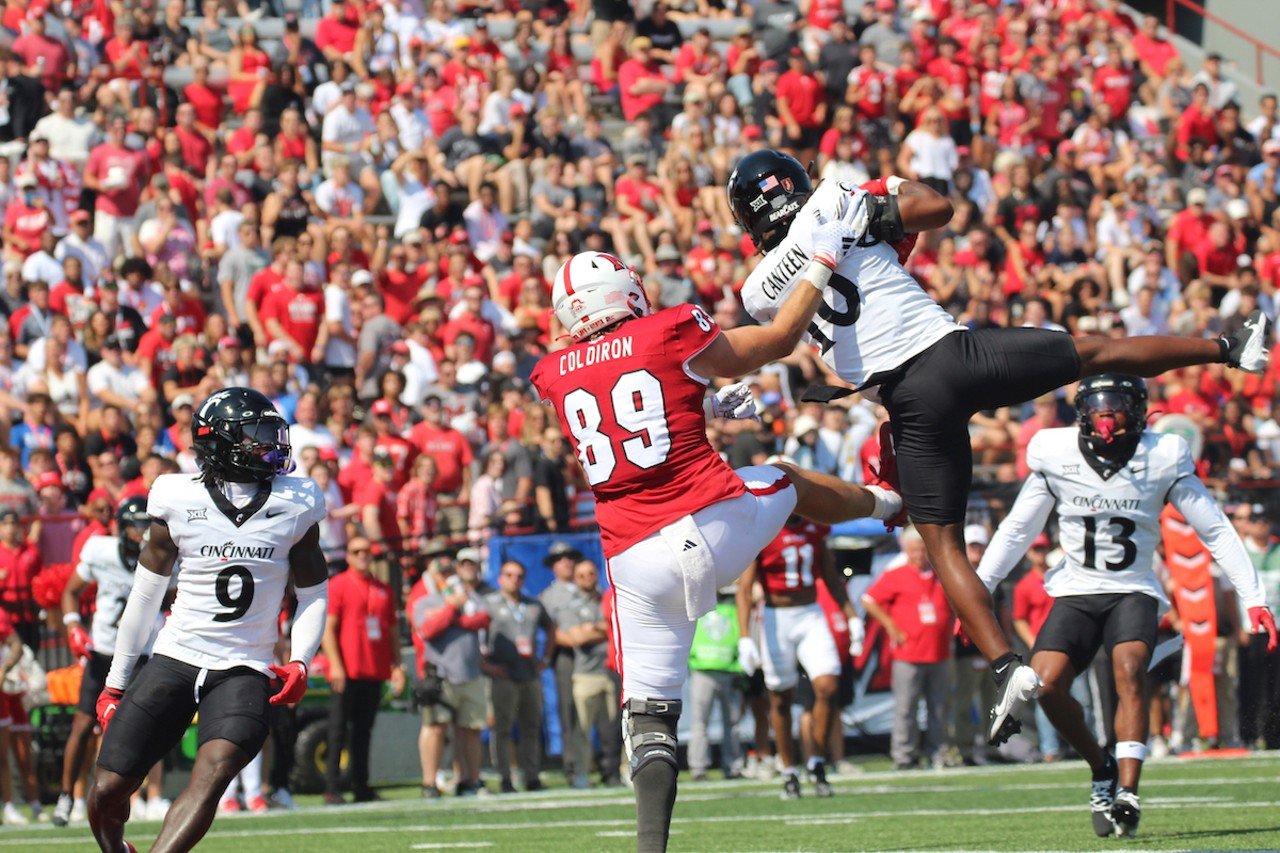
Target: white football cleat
[(1020, 687)]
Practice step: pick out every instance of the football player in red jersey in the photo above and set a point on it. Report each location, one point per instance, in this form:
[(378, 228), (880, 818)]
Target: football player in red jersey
[(794, 631), (676, 521)]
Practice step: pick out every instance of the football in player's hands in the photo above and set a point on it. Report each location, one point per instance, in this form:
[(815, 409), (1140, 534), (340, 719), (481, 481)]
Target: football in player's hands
[(108, 704), (1260, 619), (78, 640), (293, 678), (735, 402), (748, 656)]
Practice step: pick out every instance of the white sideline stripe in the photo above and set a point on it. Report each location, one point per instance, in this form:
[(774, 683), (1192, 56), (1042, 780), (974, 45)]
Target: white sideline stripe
[(628, 822), (450, 845)]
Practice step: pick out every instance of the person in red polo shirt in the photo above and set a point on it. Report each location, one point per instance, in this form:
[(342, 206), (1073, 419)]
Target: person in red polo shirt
[(294, 314), (377, 501), (360, 641), (452, 452), (909, 602), (1031, 605)]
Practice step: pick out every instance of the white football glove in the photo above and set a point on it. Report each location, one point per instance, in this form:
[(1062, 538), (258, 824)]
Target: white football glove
[(733, 403), (748, 656), (833, 239), (857, 636)]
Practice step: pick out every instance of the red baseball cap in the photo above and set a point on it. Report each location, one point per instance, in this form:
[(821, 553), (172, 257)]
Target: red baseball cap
[(752, 131), (380, 408), (458, 238), (1042, 542), (47, 479), (328, 454)]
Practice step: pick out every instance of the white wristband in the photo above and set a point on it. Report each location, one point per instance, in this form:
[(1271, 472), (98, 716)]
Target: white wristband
[(818, 274), (70, 618), (893, 182)]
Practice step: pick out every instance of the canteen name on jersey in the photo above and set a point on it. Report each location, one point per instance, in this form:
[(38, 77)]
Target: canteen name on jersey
[(1098, 502), (789, 266), (232, 551), (596, 353)]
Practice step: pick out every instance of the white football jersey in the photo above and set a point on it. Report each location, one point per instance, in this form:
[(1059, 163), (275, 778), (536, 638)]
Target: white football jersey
[(234, 567), (875, 316), (1109, 528), (101, 563)]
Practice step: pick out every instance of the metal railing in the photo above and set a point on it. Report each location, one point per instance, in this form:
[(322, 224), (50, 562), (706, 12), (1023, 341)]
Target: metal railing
[(1260, 48)]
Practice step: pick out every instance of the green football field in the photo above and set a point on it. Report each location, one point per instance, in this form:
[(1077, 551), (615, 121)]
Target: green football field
[(1219, 804)]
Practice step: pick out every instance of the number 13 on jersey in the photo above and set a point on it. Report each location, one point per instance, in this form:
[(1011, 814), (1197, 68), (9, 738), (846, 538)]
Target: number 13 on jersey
[(641, 436)]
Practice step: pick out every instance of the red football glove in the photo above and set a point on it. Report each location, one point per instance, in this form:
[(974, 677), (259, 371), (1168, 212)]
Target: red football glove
[(958, 632), (108, 704), (293, 676), (78, 640), (1259, 618), (887, 474)]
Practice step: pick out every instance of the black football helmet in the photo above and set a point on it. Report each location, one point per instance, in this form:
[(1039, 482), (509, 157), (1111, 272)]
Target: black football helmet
[(240, 437), (132, 523), (1111, 411), (766, 191)]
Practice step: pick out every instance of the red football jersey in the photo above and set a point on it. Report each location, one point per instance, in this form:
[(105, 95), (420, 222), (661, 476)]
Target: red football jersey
[(633, 414), (789, 563)]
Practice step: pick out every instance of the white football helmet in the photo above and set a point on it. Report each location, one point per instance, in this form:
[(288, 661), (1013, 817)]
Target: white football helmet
[(593, 290)]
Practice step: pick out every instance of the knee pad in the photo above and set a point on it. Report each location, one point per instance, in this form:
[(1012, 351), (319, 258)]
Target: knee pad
[(649, 731)]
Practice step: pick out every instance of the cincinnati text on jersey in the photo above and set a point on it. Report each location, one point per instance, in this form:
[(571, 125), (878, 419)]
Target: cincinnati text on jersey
[(232, 551), (595, 353), (789, 265), (1096, 502)]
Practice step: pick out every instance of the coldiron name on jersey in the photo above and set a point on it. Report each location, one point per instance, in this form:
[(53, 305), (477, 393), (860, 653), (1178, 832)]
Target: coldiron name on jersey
[(232, 551), (1096, 502), (775, 284), (598, 352)]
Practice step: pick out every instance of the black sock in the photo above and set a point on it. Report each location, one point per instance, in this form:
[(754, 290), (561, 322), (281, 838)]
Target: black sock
[(655, 790), (1002, 666), (1109, 770)]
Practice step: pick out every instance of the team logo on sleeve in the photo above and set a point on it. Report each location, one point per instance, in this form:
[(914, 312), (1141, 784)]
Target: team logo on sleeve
[(201, 514), (1068, 470)]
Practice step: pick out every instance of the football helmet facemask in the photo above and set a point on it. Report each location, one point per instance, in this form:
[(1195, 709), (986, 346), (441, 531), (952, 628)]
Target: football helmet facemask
[(1111, 411), (240, 437), (132, 523)]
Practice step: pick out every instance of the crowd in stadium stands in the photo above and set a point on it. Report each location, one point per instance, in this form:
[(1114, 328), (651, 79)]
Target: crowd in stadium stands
[(356, 207)]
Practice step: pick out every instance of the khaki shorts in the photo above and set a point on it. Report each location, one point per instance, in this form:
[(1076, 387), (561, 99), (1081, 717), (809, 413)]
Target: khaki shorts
[(465, 704)]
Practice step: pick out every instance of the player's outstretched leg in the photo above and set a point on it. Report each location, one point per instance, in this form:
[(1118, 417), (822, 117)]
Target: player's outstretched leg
[(217, 763), (830, 500), (109, 809), (1056, 674), (649, 735), (1151, 355), (1017, 684), (780, 718), (1129, 662)]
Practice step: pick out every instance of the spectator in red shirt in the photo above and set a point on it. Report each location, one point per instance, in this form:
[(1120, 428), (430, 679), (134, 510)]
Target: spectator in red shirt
[(377, 502), (294, 314), (117, 174), (1197, 122), (1216, 255), (193, 142), (19, 562), (641, 83), (336, 32), (402, 453), (802, 107), (26, 219), (1113, 83), (1044, 416), (43, 57), (453, 456), (361, 640), (1187, 229), (466, 319), (1153, 51), (911, 605)]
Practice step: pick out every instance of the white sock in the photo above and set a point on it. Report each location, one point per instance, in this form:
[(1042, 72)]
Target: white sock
[(790, 771), (79, 801), (814, 761)]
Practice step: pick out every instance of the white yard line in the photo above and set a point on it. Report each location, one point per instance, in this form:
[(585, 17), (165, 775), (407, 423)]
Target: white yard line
[(451, 845), (512, 826)]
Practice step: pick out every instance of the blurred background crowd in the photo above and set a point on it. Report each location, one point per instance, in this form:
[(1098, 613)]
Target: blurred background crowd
[(357, 208)]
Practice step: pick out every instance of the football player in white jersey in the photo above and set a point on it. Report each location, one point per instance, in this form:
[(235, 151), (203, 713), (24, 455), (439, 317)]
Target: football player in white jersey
[(879, 331), (243, 531), (109, 562), (1109, 480)]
